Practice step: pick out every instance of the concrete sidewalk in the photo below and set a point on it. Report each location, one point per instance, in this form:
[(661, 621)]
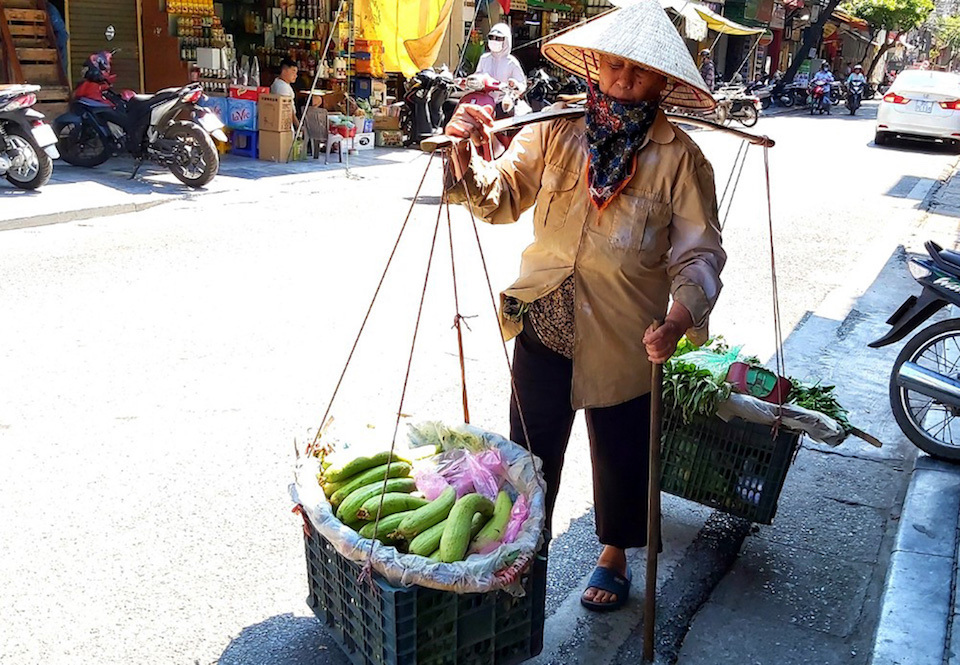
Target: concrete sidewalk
[(920, 613), (75, 193)]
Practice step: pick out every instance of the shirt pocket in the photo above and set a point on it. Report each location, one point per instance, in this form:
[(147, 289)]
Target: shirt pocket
[(555, 197), (637, 229)]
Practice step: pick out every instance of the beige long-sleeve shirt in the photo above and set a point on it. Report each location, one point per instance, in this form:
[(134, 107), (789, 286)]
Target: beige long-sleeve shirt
[(659, 237)]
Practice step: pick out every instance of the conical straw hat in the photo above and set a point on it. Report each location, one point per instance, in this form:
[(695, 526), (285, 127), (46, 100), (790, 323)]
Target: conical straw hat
[(642, 32)]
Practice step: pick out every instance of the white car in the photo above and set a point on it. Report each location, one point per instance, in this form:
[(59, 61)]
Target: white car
[(921, 105)]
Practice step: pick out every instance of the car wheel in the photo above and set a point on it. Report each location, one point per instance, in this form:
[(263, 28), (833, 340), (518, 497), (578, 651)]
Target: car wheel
[(881, 138)]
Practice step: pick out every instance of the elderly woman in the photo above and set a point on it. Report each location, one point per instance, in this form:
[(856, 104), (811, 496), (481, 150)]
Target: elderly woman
[(625, 225)]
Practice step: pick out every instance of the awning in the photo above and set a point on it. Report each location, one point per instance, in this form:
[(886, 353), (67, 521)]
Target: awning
[(851, 20), (694, 27), (548, 6), (719, 23)]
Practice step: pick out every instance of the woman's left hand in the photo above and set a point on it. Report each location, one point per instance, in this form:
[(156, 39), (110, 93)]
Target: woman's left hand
[(662, 342)]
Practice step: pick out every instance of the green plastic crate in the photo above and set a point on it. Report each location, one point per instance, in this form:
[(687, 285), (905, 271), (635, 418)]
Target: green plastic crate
[(736, 467), (380, 624)]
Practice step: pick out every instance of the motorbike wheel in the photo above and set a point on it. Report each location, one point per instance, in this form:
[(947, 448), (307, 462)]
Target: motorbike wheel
[(36, 167), (787, 100), (748, 115), (196, 160), (924, 420), (82, 146), (766, 102)]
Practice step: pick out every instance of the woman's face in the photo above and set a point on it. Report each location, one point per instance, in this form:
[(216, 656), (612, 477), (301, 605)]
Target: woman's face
[(628, 83)]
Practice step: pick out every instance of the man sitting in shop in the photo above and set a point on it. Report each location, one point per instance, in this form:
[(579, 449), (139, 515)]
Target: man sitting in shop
[(283, 84)]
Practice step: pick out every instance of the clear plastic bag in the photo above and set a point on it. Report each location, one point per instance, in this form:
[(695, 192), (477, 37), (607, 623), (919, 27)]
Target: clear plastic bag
[(718, 364), (817, 426)]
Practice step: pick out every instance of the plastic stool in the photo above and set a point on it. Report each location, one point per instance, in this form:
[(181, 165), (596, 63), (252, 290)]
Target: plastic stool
[(245, 143)]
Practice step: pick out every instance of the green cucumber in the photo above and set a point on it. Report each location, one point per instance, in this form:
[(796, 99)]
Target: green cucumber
[(349, 509), (493, 531), (428, 541), (423, 518), (383, 530), (456, 533), (357, 465), (393, 470), (393, 502)]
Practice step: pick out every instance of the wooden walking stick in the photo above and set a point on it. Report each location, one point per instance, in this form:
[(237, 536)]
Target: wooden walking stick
[(653, 509)]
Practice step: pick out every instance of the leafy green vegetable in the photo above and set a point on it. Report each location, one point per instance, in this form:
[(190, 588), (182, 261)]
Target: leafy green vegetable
[(692, 391), (820, 398), (434, 433)]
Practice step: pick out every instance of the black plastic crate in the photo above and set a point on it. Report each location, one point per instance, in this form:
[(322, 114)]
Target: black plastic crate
[(381, 624), (737, 467)]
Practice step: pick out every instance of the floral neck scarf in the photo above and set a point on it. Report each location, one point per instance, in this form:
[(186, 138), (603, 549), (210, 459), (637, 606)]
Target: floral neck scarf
[(615, 132)]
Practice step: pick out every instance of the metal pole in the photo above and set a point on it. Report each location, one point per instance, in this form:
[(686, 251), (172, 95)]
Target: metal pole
[(653, 510)]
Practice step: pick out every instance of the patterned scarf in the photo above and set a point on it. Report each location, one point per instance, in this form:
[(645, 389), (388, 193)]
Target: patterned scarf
[(615, 132)]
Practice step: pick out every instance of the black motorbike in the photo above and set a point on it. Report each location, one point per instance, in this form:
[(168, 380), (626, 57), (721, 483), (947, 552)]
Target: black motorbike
[(854, 95), (925, 380), (424, 112), (27, 144), (542, 90)]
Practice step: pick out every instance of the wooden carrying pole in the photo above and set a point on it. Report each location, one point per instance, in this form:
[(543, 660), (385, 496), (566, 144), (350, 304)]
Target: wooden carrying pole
[(653, 509)]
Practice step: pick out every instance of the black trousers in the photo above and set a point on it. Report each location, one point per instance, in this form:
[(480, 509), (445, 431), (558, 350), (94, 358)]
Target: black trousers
[(619, 440)]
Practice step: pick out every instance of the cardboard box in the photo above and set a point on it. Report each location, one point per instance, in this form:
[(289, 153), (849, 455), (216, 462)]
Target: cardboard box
[(246, 92), (275, 113), (209, 58), (365, 141), (389, 138), (242, 114), (217, 106), (385, 122), (275, 146)]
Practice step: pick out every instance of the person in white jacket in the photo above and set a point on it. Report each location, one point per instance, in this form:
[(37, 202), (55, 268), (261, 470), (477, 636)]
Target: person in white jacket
[(497, 61)]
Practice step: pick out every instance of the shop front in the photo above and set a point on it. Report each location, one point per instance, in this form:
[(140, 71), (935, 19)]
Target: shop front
[(106, 25)]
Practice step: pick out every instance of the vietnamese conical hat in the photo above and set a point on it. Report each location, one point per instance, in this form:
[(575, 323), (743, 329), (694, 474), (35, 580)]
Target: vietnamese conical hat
[(639, 31)]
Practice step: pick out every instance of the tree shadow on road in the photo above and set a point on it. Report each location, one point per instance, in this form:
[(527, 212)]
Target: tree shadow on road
[(284, 639)]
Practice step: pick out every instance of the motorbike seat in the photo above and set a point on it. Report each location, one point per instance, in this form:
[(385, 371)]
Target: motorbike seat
[(94, 103), (140, 104), (944, 259)]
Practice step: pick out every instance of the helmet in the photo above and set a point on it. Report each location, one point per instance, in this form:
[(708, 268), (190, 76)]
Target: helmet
[(824, 65), (857, 66), (97, 67), (705, 51)]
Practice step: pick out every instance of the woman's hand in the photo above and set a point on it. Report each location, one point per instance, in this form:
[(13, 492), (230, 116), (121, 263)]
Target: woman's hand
[(470, 121), (662, 342)]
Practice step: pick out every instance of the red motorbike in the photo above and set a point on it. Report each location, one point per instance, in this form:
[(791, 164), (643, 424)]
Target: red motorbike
[(503, 100), (820, 97)]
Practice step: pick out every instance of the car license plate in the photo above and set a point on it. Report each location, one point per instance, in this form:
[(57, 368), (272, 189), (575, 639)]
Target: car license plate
[(44, 136), (924, 107)]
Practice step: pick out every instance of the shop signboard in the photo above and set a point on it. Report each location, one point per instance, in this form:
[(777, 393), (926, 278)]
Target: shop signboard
[(779, 16), (758, 10)]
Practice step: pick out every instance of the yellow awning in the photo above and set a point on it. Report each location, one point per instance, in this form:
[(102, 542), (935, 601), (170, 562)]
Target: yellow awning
[(718, 23)]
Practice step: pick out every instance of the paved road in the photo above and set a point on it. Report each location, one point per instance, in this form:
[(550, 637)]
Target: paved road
[(157, 368)]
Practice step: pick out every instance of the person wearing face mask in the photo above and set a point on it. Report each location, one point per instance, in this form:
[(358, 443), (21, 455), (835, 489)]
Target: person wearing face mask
[(498, 62), (625, 233)]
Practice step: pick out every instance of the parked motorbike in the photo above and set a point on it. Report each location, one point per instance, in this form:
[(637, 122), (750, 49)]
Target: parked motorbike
[(925, 380), (819, 99), (170, 128), (28, 145), (739, 105), (855, 95), (424, 99), (542, 90)]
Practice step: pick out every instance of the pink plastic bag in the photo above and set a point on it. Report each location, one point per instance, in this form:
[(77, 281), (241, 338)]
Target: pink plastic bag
[(518, 515), (430, 483), (471, 472)]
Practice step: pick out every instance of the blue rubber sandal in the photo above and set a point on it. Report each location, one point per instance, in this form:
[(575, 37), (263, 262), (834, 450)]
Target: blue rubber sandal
[(608, 580)]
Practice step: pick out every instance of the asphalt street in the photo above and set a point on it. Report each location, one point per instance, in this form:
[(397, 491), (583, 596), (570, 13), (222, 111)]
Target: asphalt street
[(158, 367)]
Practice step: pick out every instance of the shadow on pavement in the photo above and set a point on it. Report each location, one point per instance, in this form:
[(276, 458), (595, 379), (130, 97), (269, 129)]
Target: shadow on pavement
[(283, 640), (924, 147)]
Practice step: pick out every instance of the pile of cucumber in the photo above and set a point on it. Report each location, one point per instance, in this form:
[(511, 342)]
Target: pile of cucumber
[(446, 529)]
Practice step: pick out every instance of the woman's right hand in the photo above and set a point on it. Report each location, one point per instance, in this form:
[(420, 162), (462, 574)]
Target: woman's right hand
[(470, 121)]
